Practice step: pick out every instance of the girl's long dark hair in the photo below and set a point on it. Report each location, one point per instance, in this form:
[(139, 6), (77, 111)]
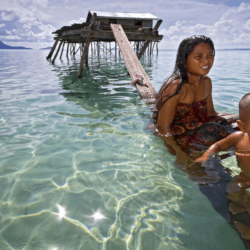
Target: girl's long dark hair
[(185, 48)]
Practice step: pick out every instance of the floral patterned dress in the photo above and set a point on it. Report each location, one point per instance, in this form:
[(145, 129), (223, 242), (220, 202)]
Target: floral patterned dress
[(192, 127)]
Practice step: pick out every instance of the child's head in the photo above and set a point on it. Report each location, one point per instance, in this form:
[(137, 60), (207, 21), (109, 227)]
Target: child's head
[(244, 113), (185, 48)]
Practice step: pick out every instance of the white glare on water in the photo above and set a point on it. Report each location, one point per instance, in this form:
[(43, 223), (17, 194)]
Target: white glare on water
[(98, 216), (62, 211)]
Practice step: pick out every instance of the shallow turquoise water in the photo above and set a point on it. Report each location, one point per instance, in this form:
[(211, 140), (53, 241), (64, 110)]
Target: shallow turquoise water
[(84, 146)]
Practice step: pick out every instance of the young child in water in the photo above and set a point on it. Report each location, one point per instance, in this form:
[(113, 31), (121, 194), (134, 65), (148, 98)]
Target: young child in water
[(239, 140), (238, 187)]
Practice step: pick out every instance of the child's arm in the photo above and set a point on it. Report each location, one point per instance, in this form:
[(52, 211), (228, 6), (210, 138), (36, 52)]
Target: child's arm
[(221, 145)]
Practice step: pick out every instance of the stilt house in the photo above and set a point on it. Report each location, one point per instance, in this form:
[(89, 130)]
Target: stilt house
[(97, 31)]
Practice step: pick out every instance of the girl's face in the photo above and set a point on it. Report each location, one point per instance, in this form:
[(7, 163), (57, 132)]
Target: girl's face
[(200, 60)]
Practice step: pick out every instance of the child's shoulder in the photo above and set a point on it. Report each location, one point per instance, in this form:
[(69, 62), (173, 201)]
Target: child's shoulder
[(237, 136)]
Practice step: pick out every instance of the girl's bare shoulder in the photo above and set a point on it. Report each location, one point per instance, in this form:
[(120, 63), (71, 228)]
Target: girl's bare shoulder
[(207, 80), (172, 86)]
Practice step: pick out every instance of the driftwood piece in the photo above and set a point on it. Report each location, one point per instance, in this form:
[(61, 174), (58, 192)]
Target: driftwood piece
[(133, 64)]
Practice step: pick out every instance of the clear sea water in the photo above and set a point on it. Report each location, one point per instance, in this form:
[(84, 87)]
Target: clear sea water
[(83, 148)]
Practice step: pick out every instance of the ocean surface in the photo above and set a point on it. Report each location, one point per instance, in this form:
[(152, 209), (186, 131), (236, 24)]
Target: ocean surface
[(80, 171)]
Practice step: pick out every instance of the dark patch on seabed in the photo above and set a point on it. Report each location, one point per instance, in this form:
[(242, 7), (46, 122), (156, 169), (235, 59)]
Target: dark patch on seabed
[(216, 193)]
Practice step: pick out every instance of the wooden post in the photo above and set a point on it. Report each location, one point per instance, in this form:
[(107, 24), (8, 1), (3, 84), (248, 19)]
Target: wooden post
[(67, 54), (84, 56), (86, 47), (53, 48), (74, 49), (87, 57), (62, 50), (157, 47), (70, 49), (57, 52), (154, 46)]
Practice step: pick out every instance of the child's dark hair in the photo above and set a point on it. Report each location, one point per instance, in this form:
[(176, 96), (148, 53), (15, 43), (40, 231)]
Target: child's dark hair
[(185, 48), (244, 107)]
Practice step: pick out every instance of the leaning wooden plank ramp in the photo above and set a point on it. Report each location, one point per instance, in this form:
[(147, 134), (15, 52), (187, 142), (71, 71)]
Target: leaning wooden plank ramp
[(133, 64)]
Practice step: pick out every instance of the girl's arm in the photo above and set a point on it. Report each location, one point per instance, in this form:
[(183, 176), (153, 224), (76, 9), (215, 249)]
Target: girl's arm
[(166, 116), (210, 105)]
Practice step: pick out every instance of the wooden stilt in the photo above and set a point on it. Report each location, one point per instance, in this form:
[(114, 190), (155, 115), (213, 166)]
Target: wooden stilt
[(84, 55), (143, 49), (153, 47), (70, 48), (57, 52), (74, 49), (137, 47), (87, 58), (53, 48), (86, 48), (62, 50), (67, 53)]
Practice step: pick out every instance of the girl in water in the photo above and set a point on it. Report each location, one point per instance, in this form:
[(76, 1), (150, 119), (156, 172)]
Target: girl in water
[(184, 113)]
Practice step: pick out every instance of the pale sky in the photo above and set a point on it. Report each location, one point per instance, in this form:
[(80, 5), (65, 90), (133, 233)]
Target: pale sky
[(30, 22)]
